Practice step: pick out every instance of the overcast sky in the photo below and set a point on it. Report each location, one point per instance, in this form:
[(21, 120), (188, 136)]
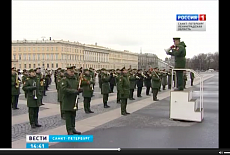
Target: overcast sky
[(121, 25)]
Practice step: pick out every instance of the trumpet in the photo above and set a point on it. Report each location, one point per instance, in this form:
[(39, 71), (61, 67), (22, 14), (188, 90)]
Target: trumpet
[(35, 92), (115, 75), (17, 81), (137, 77)]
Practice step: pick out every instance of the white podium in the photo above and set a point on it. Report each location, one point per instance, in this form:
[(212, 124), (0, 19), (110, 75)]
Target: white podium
[(183, 107)]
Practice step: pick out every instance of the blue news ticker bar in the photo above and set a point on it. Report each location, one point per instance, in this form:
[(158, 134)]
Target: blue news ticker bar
[(37, 145), (70, 138), (187, 17)]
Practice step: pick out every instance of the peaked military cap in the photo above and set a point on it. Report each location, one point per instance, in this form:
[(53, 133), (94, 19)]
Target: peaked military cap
[(155, 68), (31, 70), (123, 69), (103, 69), (62, 70), (176, 38), (38, 68), (90, 68), (139, 70), (70, 67), (86, 69), (117, 69)]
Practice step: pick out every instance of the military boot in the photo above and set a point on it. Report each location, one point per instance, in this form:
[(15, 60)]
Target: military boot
[(76, 132), (105, 105)]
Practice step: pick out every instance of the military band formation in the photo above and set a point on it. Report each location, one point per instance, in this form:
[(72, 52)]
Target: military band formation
[(71, 82)]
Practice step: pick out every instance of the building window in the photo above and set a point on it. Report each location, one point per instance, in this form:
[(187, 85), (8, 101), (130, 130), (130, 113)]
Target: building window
[(75, 57), (19, 49), (56, 56), (24, 48), (28, 48), (29, 65), (56, 48), (47, 48), (14, 48), (25, 66), (47, 56), (38, 48), (51, 48), (51, 55), (24, 56), (33, 56), (38, 65), (14, 57), (42, 48), (33, 48), (29, 58), (38, 56), (34, 66), (52, 65), (43, 56), (48, 66), (56, 65), (20, 66), (19, 57), (62, 49)]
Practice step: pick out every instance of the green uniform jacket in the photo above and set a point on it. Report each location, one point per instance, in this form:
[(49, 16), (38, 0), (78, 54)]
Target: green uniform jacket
[(132, 80), (42, 82), (77, 76), (24, 77), (156, 82), (124, 86), (169, 78), (117, 79), (92, 76), (29, 88), (60, 92), (164, 79), (105, 89), (99, 80), (14, 90), (192, 75), (179, 53), (86, 86), (69, 87)]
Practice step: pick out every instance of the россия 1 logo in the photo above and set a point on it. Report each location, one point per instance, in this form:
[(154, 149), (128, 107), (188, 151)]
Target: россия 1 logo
[(191, 17), (191, 22)]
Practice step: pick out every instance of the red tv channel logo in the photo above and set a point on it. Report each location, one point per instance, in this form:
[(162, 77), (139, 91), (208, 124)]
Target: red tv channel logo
[(202, 17)]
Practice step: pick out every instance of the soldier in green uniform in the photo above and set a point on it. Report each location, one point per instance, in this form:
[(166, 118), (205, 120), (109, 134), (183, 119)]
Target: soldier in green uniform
[(24, 77), (179, 51), (41, 80), (117, 79), (86, 83), (160, 75), (92, 75), (155, 83), (147, 81), (99, 78), (192, 77), (60, 79), (164, 79), (124, 88), (185, 78), (69, 87), (132, 80), (15, 88), (169, 78), (105, 88), (34, 97)]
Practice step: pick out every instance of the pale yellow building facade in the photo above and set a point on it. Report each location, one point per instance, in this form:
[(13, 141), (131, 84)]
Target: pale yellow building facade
[(53, 54)]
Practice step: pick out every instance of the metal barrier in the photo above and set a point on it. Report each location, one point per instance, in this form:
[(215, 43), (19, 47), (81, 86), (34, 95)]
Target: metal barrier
[(196, 75)]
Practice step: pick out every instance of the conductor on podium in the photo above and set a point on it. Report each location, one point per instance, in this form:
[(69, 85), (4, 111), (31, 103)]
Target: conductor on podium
[(179, 52)]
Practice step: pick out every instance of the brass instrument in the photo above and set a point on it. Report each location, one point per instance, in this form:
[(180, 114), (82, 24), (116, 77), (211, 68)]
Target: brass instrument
[(35, 92), (143, 75), (137, 77), (114, 75), (17, 81), (76, 102), (91, 85)]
